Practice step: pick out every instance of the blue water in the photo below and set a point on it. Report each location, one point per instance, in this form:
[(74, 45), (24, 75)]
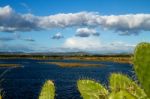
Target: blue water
[(25, 82)]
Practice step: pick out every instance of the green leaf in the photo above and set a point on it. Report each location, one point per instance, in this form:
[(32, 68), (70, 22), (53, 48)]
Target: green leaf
[(90, 89), (47, 91), (119, 82), (121, 95), (142, 65)]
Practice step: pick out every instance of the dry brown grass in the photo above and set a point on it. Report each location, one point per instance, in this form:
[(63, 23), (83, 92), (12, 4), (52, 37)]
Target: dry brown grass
[(10, 65), (64, 64), (112, 59)]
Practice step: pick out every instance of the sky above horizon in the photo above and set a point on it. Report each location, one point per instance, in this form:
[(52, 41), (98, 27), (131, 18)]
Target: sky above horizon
[(99, 26)]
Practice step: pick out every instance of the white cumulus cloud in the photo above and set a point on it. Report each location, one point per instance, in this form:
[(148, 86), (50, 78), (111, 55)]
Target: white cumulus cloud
[(57, 36), (86, 32), (82, 43), (11, 21)]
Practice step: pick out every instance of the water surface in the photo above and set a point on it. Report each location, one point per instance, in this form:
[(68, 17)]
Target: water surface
[(25, 82)]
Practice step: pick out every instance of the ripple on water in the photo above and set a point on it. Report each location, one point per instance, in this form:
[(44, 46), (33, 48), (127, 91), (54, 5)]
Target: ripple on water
[(25, 83)]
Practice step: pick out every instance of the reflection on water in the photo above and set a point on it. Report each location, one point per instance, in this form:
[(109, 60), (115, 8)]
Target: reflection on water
[(25, 82)]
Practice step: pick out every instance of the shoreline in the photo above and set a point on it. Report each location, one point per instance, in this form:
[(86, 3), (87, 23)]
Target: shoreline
[(127, 60), (110, 58)]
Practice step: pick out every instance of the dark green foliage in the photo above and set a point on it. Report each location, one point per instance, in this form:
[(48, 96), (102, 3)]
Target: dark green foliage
[(142, 65)]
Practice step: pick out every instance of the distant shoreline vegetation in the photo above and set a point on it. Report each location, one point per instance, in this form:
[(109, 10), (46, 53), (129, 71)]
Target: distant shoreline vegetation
[(121, 58)]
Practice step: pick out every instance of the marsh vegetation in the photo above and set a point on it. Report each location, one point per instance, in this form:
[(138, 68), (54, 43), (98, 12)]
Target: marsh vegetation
[(10, 65), (73, 64)]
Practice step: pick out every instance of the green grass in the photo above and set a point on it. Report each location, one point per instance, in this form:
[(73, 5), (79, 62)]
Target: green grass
[(90, 89), (48, 90)]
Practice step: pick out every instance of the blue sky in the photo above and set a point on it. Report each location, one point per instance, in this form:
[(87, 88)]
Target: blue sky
[(102, 26)]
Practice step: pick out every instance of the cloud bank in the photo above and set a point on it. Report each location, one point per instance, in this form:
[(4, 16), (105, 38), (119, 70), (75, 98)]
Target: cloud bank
[(95, 44), (11, 21)]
